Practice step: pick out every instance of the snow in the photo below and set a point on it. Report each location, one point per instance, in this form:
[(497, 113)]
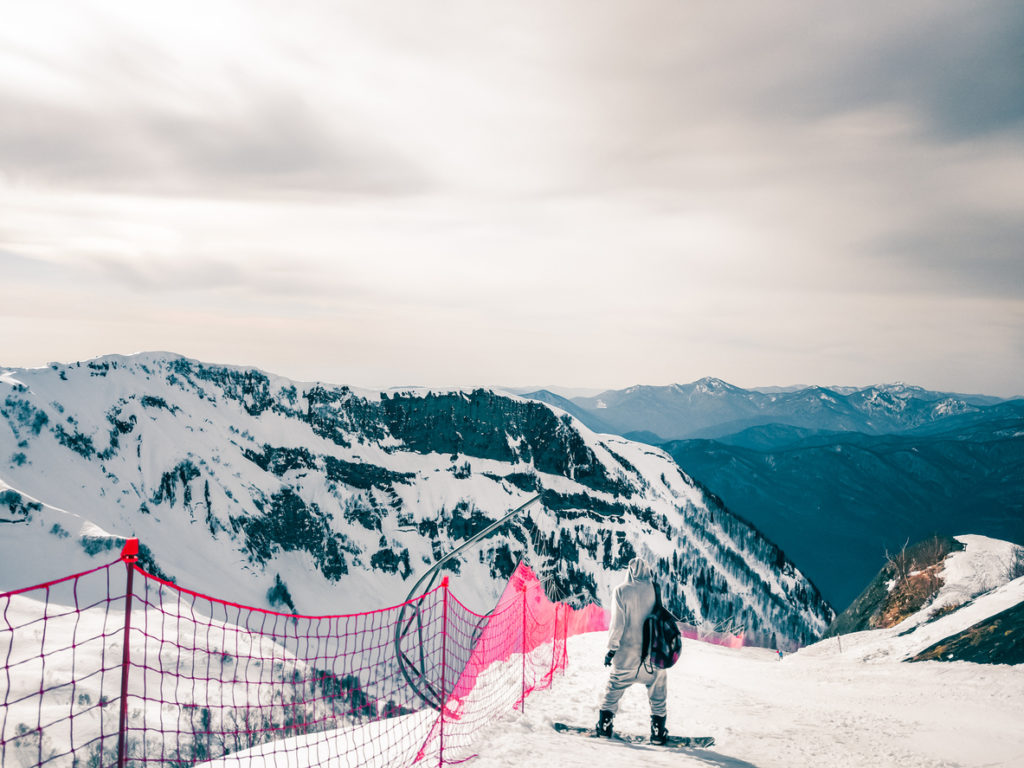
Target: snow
[(7, 377), (75, 654), (806, 710), (844, 702), (950, 406), (365, 746), (979, 568), (388, 742)]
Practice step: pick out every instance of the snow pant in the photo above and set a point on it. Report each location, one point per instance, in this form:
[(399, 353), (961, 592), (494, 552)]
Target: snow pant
[(621, 679)]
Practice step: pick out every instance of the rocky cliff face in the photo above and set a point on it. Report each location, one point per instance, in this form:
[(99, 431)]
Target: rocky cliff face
[(327, 499)]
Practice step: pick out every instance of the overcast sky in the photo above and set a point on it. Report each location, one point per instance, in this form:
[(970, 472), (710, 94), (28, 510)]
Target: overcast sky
[(573, 192)]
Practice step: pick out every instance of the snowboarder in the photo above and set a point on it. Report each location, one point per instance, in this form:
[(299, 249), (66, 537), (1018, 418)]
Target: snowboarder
[(633, 601)]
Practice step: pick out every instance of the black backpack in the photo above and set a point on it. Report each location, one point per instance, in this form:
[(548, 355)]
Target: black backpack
[(662, 639)]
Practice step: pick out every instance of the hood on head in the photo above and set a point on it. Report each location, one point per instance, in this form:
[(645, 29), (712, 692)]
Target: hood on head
[(639, 570)]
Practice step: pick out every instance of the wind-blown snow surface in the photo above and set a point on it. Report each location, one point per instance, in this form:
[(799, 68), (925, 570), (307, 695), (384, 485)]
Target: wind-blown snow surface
[(806, 711), (325, 499)]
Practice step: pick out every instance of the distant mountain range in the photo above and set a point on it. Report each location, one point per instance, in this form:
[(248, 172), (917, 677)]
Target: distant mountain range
[(836, 475), (711, 408)]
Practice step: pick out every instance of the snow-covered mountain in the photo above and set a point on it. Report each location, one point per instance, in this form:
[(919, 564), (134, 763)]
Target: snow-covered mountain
[(711, 408), (323, 499)]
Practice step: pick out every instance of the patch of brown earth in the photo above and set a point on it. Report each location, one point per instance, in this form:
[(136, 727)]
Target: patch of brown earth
[(914, 573), (908, 596)]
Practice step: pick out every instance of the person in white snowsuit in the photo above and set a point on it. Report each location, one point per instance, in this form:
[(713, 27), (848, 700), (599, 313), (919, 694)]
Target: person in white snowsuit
[(633, 601)]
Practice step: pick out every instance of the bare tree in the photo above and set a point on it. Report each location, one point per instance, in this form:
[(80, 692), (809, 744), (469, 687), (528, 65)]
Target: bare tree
[(900, 562), (934, 550)]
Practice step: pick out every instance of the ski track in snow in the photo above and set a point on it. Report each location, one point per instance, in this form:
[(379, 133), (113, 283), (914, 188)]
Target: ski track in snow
[(806, 710)]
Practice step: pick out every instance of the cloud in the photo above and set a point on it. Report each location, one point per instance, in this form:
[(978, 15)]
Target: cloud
[(596, 189), (961, 66), (137, 106), (958, 65), (269, 144), (965, 256)]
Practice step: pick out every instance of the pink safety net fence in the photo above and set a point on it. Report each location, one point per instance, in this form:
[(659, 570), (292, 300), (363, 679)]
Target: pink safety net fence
[(715, 637), (202, 680)]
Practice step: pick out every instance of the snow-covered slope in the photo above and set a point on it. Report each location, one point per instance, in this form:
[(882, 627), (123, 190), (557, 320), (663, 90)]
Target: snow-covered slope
[(801, 712), (328, 499), (842, 702)]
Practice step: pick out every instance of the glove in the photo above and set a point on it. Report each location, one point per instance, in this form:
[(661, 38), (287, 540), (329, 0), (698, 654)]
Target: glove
[(608, 658)]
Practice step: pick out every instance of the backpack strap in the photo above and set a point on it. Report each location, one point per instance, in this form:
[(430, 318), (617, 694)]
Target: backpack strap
[(646, 648)]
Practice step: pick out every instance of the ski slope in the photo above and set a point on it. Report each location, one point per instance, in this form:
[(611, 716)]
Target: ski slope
[(843, 702), (809, 710)]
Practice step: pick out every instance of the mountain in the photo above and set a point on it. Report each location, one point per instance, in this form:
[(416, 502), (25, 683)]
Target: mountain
[(594, 423), (565, 392), (836, 475), (942, 599), (836, 501), (327, 499), (711, 408)]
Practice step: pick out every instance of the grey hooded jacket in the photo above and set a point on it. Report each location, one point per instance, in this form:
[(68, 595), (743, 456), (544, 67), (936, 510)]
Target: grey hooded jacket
[(633, 601)]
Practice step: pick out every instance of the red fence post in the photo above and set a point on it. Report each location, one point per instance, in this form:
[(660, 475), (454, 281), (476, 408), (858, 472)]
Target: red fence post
[(130, 554), (444, 665)]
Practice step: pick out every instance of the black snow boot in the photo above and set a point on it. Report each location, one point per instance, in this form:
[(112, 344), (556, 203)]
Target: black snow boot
[(604, 724), (659, 734)]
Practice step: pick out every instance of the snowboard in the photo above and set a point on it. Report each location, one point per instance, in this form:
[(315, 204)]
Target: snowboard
[(674, 742)]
